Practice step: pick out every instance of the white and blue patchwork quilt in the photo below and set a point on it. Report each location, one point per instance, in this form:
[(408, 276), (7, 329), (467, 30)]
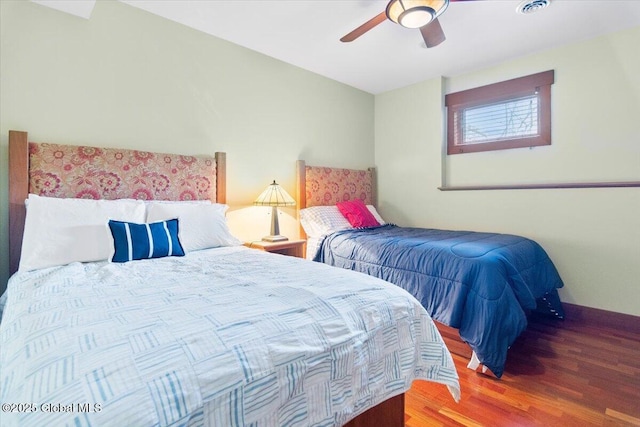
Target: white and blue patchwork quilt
[(221, 337)]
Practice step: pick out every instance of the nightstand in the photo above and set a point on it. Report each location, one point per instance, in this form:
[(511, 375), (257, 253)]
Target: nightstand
[(288, 247)]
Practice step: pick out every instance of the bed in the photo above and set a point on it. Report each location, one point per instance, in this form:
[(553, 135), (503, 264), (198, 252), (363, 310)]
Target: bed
[(481, 284), (181, 330)]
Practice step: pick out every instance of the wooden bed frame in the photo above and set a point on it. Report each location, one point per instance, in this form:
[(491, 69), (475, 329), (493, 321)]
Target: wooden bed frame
[(303, 190), (389, 413)]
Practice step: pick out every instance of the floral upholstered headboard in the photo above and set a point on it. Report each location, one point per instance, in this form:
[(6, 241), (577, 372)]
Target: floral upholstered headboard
[(67, 171), (322, 186)]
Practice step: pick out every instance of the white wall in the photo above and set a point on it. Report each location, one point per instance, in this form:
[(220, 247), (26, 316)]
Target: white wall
[(593, 235), (127, 78)]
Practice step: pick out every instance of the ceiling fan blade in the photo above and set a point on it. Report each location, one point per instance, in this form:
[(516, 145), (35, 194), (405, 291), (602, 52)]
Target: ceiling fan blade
[(364, 27), (432, 33)]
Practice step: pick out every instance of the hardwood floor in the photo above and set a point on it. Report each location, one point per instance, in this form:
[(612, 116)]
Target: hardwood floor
[(558, 373)]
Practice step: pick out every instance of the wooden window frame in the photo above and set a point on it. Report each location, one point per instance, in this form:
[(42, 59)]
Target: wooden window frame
[(539, 83)]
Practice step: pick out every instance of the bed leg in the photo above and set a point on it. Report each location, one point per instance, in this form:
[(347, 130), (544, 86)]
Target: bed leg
[(550, 305), (474, 363)]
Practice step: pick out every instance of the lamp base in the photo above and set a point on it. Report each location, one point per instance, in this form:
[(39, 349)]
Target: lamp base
[(275, 228), (277, 238)]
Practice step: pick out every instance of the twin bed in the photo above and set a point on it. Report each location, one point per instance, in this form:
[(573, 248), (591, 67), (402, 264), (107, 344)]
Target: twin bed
[(481, 284), (223, 335)]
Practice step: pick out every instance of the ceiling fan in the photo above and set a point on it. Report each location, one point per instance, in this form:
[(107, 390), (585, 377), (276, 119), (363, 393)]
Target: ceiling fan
[(422, 14)]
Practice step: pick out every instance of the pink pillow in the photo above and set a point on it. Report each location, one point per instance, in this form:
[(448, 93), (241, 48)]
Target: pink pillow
[(357, 213)]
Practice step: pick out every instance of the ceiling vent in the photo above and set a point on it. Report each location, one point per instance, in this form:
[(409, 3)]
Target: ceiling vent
[(528, 7)]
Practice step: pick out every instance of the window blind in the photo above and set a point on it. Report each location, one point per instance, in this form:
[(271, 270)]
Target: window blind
[(511, 119)]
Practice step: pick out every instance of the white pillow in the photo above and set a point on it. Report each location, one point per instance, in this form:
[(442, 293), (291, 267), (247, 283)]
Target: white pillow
[(376, 215), (201, 226), (62, 231), (320, 220)]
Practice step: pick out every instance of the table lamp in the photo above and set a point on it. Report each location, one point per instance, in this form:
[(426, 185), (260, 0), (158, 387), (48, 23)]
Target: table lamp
[(274, 196)]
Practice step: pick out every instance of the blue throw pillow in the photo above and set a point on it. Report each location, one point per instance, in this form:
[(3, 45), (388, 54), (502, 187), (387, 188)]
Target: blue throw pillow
[(143, 241)]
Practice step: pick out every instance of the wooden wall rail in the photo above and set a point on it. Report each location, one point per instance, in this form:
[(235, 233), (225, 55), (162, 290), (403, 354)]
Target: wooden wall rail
[(613, 184)]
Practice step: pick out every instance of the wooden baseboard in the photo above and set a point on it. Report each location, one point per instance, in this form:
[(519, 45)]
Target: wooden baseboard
[(601, 318), (575, 314)]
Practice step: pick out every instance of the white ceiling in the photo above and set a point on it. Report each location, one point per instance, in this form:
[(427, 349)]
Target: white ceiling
[(306, 33)]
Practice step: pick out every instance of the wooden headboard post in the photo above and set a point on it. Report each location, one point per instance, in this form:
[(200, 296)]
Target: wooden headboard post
[(18, 192), (301, 193), (221, 177), (374, 187)]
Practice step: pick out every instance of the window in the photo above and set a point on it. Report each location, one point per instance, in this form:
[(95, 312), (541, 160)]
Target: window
[(511, 114)]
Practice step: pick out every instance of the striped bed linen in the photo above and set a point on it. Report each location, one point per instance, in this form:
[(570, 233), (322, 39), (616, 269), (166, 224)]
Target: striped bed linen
[(221, 337)]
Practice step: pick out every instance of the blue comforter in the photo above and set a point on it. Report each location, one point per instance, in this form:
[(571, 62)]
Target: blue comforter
[(479, 283)]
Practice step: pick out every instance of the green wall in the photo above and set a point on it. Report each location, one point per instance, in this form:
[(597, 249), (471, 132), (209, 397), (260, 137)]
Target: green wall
[(593, 235), (127, 78)]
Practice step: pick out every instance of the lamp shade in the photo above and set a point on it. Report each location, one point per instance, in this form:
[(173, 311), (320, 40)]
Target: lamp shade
[(415, 13), (274, 195)]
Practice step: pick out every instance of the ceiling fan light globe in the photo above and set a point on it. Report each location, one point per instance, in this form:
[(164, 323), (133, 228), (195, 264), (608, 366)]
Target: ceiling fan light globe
[(416, 17), (415, 13)]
